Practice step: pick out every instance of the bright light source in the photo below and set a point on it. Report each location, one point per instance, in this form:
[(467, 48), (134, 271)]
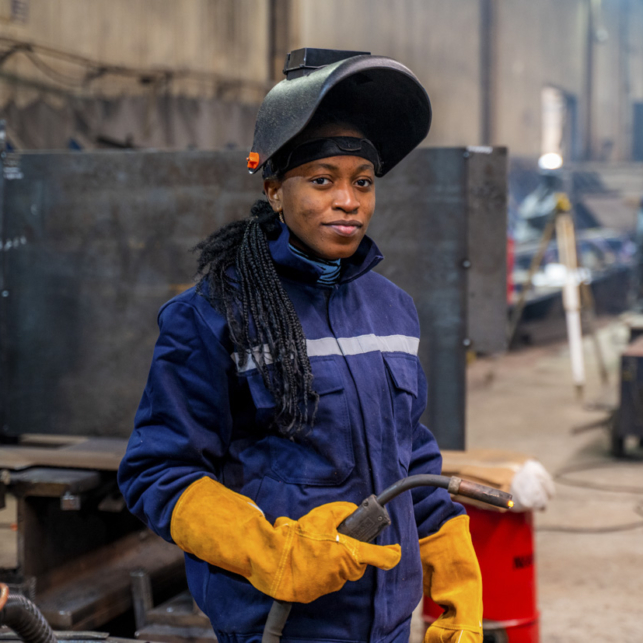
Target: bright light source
[(550, 161)]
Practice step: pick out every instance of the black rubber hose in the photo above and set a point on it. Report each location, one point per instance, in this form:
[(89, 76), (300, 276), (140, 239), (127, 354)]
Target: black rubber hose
[(25, 619), (421, 480)]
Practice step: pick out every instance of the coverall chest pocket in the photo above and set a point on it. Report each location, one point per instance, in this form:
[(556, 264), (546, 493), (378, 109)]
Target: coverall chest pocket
[(324, 454), (403, 386)]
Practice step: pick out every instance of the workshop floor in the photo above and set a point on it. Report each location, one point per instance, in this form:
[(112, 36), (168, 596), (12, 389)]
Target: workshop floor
[(590, 586)]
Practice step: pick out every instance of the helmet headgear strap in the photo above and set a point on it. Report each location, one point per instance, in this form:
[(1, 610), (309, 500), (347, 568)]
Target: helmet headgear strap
[(320, 148)]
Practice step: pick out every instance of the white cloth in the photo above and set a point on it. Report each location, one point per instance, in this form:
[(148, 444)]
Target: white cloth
[(532, 487)]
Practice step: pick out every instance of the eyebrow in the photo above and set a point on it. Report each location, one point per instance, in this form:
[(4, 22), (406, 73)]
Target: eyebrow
[(330, 166)]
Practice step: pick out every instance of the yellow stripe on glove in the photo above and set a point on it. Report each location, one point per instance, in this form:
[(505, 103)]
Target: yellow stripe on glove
[(294, 560), (452, 579)]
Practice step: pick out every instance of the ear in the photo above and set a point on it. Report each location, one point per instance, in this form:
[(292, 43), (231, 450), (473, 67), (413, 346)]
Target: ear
[(274, 192)]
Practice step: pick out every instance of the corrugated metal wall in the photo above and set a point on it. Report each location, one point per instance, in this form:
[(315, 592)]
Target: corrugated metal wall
[(224, 39), (437, 39), (539, 43), (618, 77), (535, 44)]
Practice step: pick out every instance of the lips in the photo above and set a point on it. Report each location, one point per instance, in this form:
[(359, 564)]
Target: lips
[(344, 228)]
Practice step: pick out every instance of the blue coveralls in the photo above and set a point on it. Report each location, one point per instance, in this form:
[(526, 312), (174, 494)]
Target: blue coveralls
[(201, 415)]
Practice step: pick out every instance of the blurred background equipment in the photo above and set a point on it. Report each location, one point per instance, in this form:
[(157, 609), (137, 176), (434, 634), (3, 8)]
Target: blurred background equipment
[(604, 239), (551, 211), (627, 422), (566, 239), (636, 289)]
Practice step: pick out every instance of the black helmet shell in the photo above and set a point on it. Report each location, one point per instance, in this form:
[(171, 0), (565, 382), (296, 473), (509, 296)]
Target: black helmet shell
[(385, 92)]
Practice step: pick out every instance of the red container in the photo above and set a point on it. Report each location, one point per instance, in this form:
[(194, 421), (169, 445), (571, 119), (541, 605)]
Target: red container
[(504, 543)]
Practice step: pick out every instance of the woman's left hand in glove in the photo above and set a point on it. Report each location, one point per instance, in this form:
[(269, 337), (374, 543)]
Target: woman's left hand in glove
[(452, 579)]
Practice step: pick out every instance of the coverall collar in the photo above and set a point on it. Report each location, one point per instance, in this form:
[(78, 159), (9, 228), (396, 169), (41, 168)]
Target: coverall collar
[(290, 266)]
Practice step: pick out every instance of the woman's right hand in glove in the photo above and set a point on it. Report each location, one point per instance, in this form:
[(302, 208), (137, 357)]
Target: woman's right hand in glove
[(292, 560)]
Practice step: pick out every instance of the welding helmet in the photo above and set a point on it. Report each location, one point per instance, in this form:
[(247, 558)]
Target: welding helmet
[(382, 96)]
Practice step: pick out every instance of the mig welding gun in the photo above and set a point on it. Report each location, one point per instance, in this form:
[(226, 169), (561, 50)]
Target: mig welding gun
[(368, 521)]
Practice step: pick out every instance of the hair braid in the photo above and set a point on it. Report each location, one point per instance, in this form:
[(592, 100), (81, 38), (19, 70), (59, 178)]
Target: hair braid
[(238, 277)]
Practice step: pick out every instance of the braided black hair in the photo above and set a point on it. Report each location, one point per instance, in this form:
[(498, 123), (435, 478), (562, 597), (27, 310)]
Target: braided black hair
[(238, 277)]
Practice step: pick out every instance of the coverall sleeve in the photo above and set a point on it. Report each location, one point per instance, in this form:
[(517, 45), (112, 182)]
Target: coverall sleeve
[(183, 424), (433, 507)]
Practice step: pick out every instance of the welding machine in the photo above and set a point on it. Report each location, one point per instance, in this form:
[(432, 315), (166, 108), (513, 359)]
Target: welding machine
[(629, 417)]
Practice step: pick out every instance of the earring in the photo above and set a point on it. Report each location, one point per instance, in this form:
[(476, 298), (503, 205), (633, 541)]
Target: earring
[(281, 216)]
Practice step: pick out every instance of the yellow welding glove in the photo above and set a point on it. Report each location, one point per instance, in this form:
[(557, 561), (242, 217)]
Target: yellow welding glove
[(452, 579), (292, 560)]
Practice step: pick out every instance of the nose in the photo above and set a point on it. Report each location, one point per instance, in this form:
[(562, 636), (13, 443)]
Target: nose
[(345, 199)]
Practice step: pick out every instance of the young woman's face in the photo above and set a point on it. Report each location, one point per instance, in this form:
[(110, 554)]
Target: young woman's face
[(327, 204)]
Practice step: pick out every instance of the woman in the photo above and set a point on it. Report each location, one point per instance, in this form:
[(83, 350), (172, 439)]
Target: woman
[(285, 388)]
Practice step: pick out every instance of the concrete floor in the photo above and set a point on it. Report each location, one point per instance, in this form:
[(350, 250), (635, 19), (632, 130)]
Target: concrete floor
[(590, 585)]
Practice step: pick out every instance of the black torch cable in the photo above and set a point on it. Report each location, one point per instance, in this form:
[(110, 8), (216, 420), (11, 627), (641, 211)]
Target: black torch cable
[(412, 482), (24, 618)]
